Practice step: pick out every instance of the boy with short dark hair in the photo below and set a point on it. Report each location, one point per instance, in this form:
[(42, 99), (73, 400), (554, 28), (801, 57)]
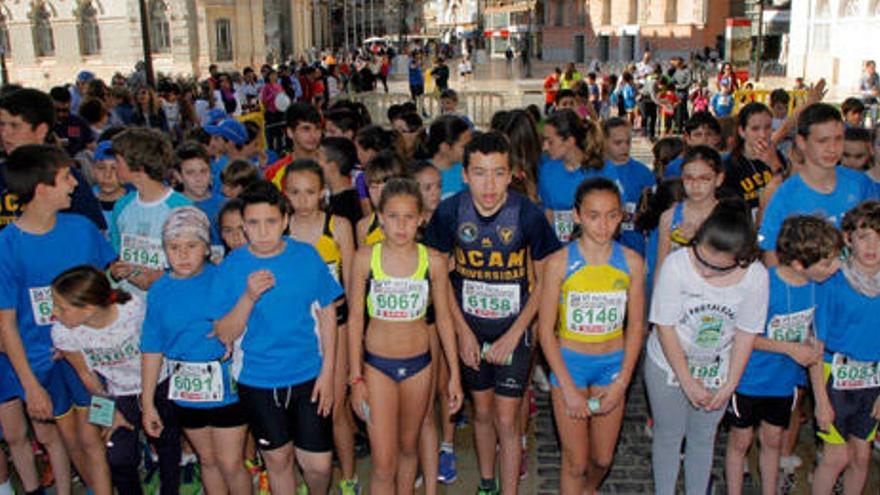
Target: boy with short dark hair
[(27, 117), (304, 130), (853, 111), (193, 170), (820, 186), (37, 246), (808, 249), (856, 149), (495, 234), (143, 157), (337, 157), (702, 129)]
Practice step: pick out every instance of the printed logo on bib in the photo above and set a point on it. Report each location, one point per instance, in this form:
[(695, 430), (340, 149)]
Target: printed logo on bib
[(850, 374), (709, 332), (793, 327), (196, 382), (594, 313), (41, 304), (563, 224), (708, 369), (142, 251), (105, 357), (490, 301), (398, 298)]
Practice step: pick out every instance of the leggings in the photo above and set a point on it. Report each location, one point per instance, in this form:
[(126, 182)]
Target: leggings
[(675, 418), (124, 456)]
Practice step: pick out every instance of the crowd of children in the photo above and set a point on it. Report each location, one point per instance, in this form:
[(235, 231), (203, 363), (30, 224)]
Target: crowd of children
[(268, 313)]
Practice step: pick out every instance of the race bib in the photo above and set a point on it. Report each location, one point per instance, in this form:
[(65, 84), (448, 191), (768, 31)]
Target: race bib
[(142, 251), (594, 313), (850, 374), (490, 301), (708, 369), (41, 304), (196, 382), (105, 357), (793, 327), (563, 224), (398, 298)]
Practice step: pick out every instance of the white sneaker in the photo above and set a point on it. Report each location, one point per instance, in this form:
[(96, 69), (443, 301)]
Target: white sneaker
[(539, 378), (789, 463)]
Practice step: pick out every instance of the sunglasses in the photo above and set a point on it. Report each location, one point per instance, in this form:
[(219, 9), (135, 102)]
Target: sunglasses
[(713, 267)]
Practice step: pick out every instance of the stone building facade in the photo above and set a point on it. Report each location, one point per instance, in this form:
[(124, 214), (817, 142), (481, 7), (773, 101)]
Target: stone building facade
[(832, 39), (620, 30), (49, 41)]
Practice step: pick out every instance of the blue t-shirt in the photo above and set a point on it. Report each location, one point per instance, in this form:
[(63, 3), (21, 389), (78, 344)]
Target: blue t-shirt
[(29, 264), (415, 75), (280, 346), (557, 185), (451, 180), (177, 325), (790, 312), (217, 167), (211, 207), (673, 168), (722, 104), (846, 320), (633, 178), (795, 197)]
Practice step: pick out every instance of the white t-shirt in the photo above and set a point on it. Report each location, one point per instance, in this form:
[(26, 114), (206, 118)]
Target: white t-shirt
[(113, 352), (705, 317)]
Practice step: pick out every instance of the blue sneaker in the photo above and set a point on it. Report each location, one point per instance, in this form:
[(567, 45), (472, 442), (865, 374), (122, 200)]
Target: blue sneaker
[(447, 473)]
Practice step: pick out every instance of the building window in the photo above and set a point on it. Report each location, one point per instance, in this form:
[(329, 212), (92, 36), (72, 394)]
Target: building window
[(823, 8), (559, 16), (44, 41), (875, 8), (850, 8), (821, 37), (4, 35), (671, 11), (606, 12), (223, 37), (89, 35), (633, 12), (160, 30)]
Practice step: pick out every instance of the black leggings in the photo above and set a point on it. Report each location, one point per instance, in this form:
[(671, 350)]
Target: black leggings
[(648, 109), (124, 454)]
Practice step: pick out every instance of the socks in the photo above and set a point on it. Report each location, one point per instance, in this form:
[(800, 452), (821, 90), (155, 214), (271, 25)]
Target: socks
[(447, 447), (487, 484)]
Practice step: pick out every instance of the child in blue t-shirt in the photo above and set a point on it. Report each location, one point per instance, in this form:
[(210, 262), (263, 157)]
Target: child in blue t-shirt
[(846, 383), (820, 187), (142, 158), (575, 153), (200, 382), (634, 177), (277, 296), (36, 247), (193, 170), (447, 138), (721, 104), (767, 395)]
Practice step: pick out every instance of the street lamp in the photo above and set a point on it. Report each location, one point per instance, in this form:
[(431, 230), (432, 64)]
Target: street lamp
[(145, 40)]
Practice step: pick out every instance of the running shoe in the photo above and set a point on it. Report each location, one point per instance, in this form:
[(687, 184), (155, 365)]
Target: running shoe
[(447, 473), (486, 491), (349, 487)]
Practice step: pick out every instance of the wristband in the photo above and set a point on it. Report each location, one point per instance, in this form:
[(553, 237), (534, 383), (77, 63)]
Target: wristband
[(355, 380)]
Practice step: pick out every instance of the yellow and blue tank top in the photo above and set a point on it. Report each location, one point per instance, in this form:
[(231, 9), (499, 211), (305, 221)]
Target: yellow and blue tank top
[(375, 234), (328, 249), (592, 303), (675, 234), (398, 299)]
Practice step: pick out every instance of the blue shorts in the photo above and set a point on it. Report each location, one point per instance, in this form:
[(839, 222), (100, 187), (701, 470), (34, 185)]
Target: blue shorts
[(590, 369), (64, 388), (10, 387)]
